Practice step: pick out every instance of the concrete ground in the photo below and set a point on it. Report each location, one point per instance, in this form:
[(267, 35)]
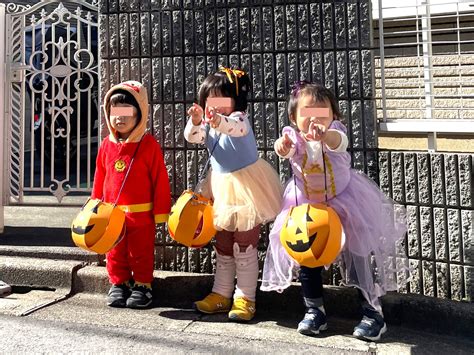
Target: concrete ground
[(58, 286), (162, 326)]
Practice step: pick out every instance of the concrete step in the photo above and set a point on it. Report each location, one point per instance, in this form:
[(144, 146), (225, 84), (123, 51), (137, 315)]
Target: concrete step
[(35, 283), (175, 287), (55, 253), (38, 273), (43, 242)]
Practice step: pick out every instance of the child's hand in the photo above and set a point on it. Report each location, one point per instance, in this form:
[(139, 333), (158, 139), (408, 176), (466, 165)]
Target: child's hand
[(210, 111), (283, 145), (316, 132), (196, 112), (211, 117)]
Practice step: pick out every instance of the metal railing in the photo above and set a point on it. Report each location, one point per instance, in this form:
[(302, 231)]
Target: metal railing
[(2, 121), (425, 67), (51, 101)]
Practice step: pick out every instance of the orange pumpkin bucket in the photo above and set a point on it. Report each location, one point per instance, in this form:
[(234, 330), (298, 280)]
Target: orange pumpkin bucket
[(98, 226), (191, 220), (312, 234)]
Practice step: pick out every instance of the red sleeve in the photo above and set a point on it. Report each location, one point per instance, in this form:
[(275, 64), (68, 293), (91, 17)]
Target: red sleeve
[(161, 183), (99, 176)]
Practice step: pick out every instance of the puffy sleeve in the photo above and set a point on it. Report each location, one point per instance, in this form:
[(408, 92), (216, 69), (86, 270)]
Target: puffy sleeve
[(298, 141), (162, 194), (235, 125), (194, 134), (338, 126)]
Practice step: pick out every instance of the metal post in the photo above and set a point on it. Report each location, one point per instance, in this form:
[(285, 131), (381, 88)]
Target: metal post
[(428, 68), (382, 61), (2, 114)]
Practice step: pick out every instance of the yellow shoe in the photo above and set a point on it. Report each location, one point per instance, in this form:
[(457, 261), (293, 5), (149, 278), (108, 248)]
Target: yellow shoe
[(243, 310), (213, 303)]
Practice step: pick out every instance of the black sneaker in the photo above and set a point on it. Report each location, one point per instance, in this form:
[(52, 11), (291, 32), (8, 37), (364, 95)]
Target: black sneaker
[(141, 297), (371, 327), (118, 295), (313, 322)]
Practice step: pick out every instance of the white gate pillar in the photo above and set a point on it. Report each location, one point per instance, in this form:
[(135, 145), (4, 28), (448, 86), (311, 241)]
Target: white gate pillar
[(2, 115)]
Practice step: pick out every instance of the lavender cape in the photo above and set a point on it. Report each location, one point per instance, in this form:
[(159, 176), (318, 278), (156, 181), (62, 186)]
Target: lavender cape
[(374, 226)]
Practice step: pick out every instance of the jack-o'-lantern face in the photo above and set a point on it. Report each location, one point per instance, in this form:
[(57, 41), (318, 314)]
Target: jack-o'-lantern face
[(88, 221), (191, 220), (311, 234), (98, 226), (304, 233)]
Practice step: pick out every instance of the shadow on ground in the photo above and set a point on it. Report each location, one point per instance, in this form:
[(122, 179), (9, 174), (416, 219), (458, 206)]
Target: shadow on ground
[(36, 236)]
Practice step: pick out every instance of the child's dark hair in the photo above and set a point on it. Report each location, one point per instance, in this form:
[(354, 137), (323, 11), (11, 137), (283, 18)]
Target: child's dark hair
[(317, 91), (227, 82), (124, 97)]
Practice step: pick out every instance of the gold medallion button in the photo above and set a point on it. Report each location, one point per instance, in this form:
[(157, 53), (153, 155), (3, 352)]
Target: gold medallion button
[(120, 165)]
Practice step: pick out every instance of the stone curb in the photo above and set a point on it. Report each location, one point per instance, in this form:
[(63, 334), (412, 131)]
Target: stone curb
[(38, 273), (180, 289), (53, 253)]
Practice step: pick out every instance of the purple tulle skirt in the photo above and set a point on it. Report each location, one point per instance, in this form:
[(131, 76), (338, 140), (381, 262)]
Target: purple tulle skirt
[(372, 258)]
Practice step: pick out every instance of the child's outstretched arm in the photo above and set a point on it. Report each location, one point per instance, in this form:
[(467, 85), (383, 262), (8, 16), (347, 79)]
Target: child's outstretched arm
[(284, 146), (195, 132), (334, 139), (337, 142), (235, 125), (196, 113)]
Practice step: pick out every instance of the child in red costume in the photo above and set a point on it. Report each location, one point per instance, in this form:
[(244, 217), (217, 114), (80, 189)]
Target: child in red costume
[(145, 197)]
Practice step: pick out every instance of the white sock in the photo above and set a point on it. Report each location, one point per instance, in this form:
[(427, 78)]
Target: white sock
[(224, 279), (247, 272)]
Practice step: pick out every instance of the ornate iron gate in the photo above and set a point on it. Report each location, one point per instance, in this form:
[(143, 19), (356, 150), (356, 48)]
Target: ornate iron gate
[(51, 100)]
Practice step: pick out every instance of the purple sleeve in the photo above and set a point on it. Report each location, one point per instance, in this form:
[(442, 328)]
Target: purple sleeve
[(296, 138), (338, 125)]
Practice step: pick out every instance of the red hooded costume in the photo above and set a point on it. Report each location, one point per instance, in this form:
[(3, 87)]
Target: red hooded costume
[(145, 197)]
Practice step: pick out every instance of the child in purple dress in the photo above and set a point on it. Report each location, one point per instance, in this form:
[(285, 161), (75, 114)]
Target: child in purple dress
[(372, 224)]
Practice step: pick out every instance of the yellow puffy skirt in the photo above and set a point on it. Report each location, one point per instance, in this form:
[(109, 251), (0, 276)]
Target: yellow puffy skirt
[(244, 198)]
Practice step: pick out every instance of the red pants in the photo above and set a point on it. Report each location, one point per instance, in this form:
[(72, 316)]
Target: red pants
[(225, 240), (134, 256)]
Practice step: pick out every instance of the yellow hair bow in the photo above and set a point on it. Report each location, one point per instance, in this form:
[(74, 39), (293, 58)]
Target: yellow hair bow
[(237, 73)]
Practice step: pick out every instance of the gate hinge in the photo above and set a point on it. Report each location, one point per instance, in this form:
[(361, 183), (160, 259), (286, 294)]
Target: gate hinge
[(17, 72)]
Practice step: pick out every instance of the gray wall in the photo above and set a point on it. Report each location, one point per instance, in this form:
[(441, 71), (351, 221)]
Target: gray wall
[(438, 192), (172, 45)]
